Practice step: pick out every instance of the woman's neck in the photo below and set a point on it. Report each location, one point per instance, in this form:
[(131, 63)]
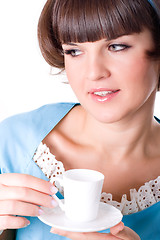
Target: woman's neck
[(133, 135)]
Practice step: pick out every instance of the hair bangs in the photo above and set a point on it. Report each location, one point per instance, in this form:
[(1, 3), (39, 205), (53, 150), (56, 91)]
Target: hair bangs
[(92, 20)]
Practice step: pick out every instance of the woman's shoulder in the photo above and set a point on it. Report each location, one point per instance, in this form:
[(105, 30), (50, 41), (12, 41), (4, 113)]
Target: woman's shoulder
[(26, 130), (44, 114)]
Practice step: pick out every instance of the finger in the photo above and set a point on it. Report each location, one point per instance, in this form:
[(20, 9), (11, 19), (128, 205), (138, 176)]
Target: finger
[(12, 222), (26, 195), (124, 233), (84, 236), (14, 207), (25, 180), (128, 234), (117, 228)]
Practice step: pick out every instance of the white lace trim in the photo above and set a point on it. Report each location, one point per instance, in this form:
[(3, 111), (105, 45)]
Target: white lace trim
[(147, 195), (48, 164)]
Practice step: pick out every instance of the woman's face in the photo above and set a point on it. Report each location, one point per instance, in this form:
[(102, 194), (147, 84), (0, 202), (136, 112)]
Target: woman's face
[(113, 79)]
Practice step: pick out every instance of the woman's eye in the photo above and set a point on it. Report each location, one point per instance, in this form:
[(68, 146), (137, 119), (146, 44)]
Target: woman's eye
[(118, 47), (73, 52)]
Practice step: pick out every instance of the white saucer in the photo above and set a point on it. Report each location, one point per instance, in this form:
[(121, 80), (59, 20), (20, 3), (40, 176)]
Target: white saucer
[(108, 216)]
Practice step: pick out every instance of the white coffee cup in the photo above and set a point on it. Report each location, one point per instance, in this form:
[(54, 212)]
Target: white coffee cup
[(82, 193)]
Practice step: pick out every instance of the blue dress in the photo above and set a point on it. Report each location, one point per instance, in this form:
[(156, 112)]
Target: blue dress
[(20, 136)]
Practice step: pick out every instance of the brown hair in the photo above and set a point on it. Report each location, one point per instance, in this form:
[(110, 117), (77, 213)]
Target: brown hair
[(63, 21)]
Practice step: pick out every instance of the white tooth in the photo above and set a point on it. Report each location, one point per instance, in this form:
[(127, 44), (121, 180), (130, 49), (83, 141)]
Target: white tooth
[(103, 93)]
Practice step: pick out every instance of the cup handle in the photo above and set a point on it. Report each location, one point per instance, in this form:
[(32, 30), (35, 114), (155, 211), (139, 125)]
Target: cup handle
[(59, 201)]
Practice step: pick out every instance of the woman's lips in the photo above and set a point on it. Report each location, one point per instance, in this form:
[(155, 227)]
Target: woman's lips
[(103, 95)]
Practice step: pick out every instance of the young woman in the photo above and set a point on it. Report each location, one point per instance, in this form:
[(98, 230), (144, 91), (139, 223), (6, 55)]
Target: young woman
[(110, 50)]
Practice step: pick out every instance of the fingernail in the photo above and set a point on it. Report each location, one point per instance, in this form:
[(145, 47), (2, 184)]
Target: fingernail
[(40, 211), (54, 203), (27, 223), (53, 189), (121, 226)]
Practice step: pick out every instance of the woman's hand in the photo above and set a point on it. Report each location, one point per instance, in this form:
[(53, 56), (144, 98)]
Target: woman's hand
[(117, 232), (22, 195)]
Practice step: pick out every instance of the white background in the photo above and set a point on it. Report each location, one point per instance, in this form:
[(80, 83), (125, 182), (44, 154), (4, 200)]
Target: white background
[(25, 80)]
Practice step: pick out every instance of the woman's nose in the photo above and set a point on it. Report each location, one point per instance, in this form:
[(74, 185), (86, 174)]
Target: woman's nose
[(96, 68)]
